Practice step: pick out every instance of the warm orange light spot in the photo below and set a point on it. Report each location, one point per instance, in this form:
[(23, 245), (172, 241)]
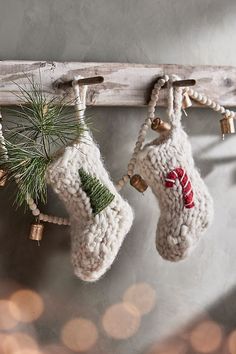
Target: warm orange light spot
[(142, 296), (121, 320), (232, 342), (79, 334), (7, 321), (171, 346), (3, 337), (26, 351), (19, 343), (206, 337), (28, 305)]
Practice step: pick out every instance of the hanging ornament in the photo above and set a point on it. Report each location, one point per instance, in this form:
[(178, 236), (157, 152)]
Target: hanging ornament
[(138, 183), (184, 213), (227, 126), (160, 126), (36, 232), (186, 101), (3, 178)]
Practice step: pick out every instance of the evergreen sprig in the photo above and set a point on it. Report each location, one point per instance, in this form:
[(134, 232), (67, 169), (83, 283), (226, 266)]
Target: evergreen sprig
[(41, 126), (27, 166)]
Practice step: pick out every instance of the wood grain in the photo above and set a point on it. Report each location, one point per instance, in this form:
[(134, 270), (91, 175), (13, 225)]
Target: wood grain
[(124, 84)]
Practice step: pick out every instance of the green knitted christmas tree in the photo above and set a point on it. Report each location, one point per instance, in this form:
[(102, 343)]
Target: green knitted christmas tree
[(99, 195)]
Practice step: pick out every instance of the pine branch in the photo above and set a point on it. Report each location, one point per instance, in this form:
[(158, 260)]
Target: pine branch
[(39, 127), (28, 166)]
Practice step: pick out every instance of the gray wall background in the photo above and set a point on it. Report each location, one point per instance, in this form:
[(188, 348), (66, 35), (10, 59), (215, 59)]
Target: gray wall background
[(200, 289)]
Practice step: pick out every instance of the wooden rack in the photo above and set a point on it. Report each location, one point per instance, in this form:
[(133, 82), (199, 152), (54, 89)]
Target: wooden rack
[(122, 84)]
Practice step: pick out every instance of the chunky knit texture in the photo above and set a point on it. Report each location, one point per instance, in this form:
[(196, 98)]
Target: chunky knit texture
[(186, 208), (96, 239)]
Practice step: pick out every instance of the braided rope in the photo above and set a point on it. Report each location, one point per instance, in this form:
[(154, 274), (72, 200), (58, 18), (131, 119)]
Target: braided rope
[(206, 101), (143, 131)]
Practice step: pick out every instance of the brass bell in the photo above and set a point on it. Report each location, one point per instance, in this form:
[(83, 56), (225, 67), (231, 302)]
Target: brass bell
[(227, 126), (3, 178), (186, 102), (160, 126), (36, 232), (138, 183)]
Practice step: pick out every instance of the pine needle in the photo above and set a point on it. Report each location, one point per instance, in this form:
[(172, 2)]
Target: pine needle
[(40, 126)]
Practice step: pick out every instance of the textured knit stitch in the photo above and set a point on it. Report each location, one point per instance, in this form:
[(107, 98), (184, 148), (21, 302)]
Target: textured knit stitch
[(179, 228), (96, 239)]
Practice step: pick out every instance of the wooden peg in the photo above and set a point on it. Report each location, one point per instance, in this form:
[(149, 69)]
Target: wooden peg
[(81, 82), (181, 83)]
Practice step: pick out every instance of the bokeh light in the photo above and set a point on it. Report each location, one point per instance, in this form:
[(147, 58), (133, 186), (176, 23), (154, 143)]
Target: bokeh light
[(27, 305), (121, 320), (170, 346), (79, 334), (232, 343), (19, 343), (26, 351), (206, 337), (142, 296), (7, 321), (3, 337)]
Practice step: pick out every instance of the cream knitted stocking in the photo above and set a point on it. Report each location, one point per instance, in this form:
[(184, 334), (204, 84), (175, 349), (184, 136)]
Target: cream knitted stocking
[(99, 217), (186, 208)]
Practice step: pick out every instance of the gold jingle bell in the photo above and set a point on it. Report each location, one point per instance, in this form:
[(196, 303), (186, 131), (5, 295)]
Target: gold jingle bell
[(186, 102), (3, 178), (227, 126), (36, 232), (160, 126), (138, 183)]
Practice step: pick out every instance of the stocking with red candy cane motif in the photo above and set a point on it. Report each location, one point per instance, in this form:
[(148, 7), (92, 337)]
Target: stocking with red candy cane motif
[(186, 207)]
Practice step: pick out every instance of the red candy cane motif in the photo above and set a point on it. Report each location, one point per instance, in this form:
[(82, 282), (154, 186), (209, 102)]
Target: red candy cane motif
[(181, 175)]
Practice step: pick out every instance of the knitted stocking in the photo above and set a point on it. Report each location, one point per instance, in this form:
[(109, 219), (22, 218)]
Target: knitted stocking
[(186, 208), (99, 217)]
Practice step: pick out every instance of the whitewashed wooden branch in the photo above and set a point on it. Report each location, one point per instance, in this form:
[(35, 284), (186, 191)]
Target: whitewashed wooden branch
[(124, 84)]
